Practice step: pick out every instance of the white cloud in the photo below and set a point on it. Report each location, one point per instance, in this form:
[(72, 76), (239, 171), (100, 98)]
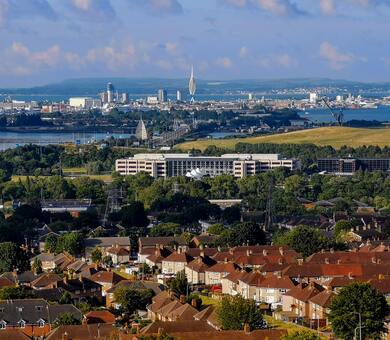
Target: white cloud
[(327, 6), (158, 6), (171, 47), (337, 60), (243, 52), (84, 5), (224, 62), (277, 7), (285, 60)]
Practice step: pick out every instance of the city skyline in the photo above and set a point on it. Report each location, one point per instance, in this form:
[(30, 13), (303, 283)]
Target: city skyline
[(46, 41)]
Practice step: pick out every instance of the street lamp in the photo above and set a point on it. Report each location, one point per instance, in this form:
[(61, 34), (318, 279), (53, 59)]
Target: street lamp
[(360, 325)]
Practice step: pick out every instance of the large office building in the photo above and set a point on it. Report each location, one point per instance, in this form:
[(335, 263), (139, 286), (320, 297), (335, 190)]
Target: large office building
[(162, 96), (173, 165), (348, 166)]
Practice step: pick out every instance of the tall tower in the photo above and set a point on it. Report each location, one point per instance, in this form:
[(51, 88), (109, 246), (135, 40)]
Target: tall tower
[(141, 133), (110, 92), (192, 85)]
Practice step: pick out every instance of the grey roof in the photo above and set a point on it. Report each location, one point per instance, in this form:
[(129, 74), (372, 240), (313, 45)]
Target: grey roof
[(107, 242), (161, 240), (33, 310), (44, 257)]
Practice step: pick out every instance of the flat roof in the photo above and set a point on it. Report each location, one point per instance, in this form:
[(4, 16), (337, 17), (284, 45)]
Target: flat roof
[(237, 156)]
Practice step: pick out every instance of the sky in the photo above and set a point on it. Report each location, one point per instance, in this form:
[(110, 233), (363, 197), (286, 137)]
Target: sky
[(46, 41)]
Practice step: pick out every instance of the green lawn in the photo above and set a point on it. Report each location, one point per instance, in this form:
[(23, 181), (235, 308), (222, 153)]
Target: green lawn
[(334, 136)]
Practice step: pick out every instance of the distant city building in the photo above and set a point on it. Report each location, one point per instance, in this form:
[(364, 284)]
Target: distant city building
[(84, 103), (125, 98), (179, 96), (110, 93), (348, 166), (104, 97), (313, 97), (141, 133), (339, 98), (192, 85), (162, 96), (173, 165), (152, 100)]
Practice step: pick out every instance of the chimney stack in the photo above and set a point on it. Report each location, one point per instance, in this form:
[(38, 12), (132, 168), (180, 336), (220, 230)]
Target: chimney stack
[(247, 328), (65, 336), (182, 299)]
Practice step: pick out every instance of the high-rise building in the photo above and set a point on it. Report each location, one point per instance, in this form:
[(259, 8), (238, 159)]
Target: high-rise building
[(162, 96), (192, 85), (179, 96), (141, 133), (104, 97), (125, 98), (313, 97), (110, 93)]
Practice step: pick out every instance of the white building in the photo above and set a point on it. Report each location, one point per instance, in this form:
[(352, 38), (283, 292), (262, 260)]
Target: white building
[(172, 165), (313, 97), (152, 100), (84, 103), (179, 96)]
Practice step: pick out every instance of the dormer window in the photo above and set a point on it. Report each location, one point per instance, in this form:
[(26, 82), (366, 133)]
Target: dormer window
[(41, 323), (19, 309), (39, 308), (22, 324), (3, 325)]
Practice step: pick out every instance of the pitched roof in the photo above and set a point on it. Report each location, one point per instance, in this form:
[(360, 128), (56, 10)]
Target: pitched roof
[(223, 268), (161, 240), (179, 257), (252, 279), (323, 298), (259, 334), (186, 326), (107, 277), (106, 242), (277, 282), (235, 276), (303, 292), (32, 310), (82, 332), (100, 316), (13, 334), (184, 312), (119, 251), (45, 280), (200, 264), (167, 309)]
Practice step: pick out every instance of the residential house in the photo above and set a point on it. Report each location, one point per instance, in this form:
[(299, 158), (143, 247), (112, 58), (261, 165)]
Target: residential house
[(80, 289), (204, 240), (139, 285), (85, 332), (175, 262), (165, 241), (105, 243), (247, 285), (155, 259), (107, 279), (195, 270), (214, 274), (119, 255), (295, 303), (32, 316), (319, 308), (231, 281)]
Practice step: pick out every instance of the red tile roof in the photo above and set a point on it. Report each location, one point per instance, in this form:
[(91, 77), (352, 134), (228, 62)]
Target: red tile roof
[(107, 277), (100, 316)]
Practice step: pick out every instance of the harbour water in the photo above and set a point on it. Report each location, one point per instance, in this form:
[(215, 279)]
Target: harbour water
[(13, 139)]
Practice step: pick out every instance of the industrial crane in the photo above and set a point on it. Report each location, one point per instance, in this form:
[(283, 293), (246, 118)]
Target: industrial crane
[(337, 115)]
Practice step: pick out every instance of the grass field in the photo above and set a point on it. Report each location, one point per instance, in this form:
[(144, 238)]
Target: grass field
[(334, 136)]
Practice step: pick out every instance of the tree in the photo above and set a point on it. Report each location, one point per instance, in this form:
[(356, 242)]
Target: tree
[(96, 255), (179, 285), (73, 243), (66, 319), (132, 299), (165, 229), (247, 232), (65, 299), (107, 261), (37, 266), (231, 214), (302, 335), (51, 243), (303, 239), (11, 293), (216, 229), (341, 226), (234, 312), (133, 215), (12, 257), (355, 299)]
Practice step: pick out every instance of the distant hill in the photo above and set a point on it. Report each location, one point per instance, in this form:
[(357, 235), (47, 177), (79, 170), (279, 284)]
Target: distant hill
[(92, 86)]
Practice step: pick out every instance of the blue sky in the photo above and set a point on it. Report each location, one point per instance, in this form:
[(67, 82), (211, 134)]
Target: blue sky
[(43, 41)]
